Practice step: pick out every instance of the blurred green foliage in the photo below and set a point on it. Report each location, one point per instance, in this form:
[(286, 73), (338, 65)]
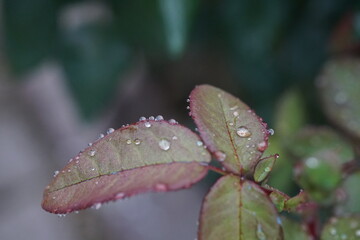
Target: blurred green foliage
[(270, 45)]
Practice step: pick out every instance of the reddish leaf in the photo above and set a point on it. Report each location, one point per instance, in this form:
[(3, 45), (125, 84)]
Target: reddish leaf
[(235, 210), (232, 131), (147, 156)]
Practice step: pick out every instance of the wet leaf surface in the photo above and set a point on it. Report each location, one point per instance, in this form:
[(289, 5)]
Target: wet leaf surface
[(342, 228), (231, 130), (339, 86), (264, 167), (147, 156), (235, 210), (294, 230)]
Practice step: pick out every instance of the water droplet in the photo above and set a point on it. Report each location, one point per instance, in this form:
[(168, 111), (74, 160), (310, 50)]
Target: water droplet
[(101, 136), (199, 143), (278, 220), (243, 132), (231, 124), (93, 169), (151, 118), (137, 141), (164, 144), (53, 197), (259, 233), (96, 182), (236, 113), (89, 144), (262, 146), (312, 162), (271, 131), (188, 100), (188, 107), (357, 233), (332, 231), (76, 212), (110, 130), (234, 107), (196, 130), (69, 170), (97, 206), (56, 173), (128, 141), (147, 124), (61, 215), (142, 119), (160, 187), (120, 195), (173, 121), (219, 155), (77, 161), (159, 118), (174, 138), (92, 153), (267, 169)]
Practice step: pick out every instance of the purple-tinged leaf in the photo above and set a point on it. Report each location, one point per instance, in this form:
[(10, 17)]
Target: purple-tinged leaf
[(146, 156), (231, 130), (339, 87), (293, 203), (238, 210), (279, 199)]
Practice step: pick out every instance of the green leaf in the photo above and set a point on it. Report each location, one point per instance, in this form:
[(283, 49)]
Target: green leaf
[(279, 199), (235, 210), (231, 130), (352, 191), (339, 86), (293, 203), (342, 228), (176, 16), (294, 230), (322, 153), (290, 115), (146, 156), (94, 59), (264, 167), (30, 32)]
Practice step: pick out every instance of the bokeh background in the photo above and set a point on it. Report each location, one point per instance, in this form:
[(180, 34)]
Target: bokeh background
[(70, 69)]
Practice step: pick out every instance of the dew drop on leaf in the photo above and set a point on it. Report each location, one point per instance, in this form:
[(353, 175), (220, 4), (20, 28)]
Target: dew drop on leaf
[(262, 146), (142, 118), (199, 143), (160, 187), (128, 141), (236, 113), (271, 131), (173, 121), (220, 156), (56, 173), (120, 195), (147, 124), (92, 153), (159, 118), (164, 144), (110, 130), (101, 136), (312, 162), (137, 141), (97, 206), (243, 132), (151, 118), (357, 233), (259, 233)]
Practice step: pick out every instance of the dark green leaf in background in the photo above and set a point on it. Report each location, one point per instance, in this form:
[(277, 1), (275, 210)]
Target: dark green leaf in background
[(30, 32), (94, 59)]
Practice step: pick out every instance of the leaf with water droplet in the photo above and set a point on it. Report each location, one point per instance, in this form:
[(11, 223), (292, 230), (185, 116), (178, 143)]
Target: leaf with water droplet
[(118, 167), (293, 203), (342, 228), (223, 131), (322, 153), (339, 86), (238, 210), (264, 167)]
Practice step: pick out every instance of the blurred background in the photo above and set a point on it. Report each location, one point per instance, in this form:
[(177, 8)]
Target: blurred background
[(70, 69)]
